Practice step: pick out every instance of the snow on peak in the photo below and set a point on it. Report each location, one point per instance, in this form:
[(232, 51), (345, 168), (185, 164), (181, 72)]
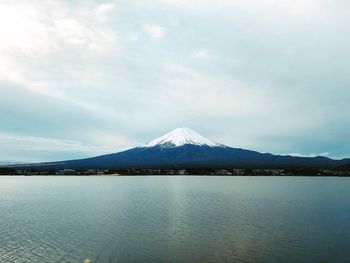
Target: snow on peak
[(181, 136)]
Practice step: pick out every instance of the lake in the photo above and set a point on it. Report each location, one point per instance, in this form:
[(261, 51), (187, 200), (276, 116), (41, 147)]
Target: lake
[(174, 219)]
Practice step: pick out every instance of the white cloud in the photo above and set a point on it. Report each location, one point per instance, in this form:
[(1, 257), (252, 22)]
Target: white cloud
[(155, 31), (200, 54), (325, 154), (289, 7), (31, 143), (72, 32), (31, 33), (22, 30), (112, 141), (34, 30), (102, 11), (27, 146)]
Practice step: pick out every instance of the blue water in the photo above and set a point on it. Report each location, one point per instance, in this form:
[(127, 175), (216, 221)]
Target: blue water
[(174, 219)]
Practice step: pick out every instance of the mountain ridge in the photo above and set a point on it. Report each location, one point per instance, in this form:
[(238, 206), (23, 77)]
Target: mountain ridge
[(184, 148)]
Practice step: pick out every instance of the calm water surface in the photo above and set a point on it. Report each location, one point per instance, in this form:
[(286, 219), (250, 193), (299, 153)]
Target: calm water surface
[(174, 219)]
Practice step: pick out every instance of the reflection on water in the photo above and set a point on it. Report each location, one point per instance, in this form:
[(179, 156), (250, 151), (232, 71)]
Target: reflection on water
[(174, 219)]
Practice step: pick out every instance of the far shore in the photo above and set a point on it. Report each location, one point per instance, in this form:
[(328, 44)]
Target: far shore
[(295, 171), (166, 175)]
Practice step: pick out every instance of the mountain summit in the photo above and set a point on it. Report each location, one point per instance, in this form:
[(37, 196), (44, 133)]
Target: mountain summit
[(180, 137)]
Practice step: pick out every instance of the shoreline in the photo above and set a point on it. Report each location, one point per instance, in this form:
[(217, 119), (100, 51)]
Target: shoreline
[(167, 175)]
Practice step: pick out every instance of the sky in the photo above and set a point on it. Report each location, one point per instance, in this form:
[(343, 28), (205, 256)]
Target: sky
[(83, 78)]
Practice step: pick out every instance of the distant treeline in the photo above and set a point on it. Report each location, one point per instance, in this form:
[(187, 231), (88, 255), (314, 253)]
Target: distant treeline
[(302, 171), (7, 171)]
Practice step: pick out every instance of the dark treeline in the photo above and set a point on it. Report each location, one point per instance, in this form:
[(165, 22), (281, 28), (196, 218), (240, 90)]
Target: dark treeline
[(225, 171), (7, 171)]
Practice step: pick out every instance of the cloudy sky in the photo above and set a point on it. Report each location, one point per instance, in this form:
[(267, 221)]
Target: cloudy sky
[(81, 78)]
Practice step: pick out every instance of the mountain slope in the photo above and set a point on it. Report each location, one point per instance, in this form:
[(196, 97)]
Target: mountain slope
[(184, 148)]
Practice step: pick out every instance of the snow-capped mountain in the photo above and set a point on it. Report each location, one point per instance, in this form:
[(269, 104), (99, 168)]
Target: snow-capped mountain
[(180, 137), (184, 148)]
